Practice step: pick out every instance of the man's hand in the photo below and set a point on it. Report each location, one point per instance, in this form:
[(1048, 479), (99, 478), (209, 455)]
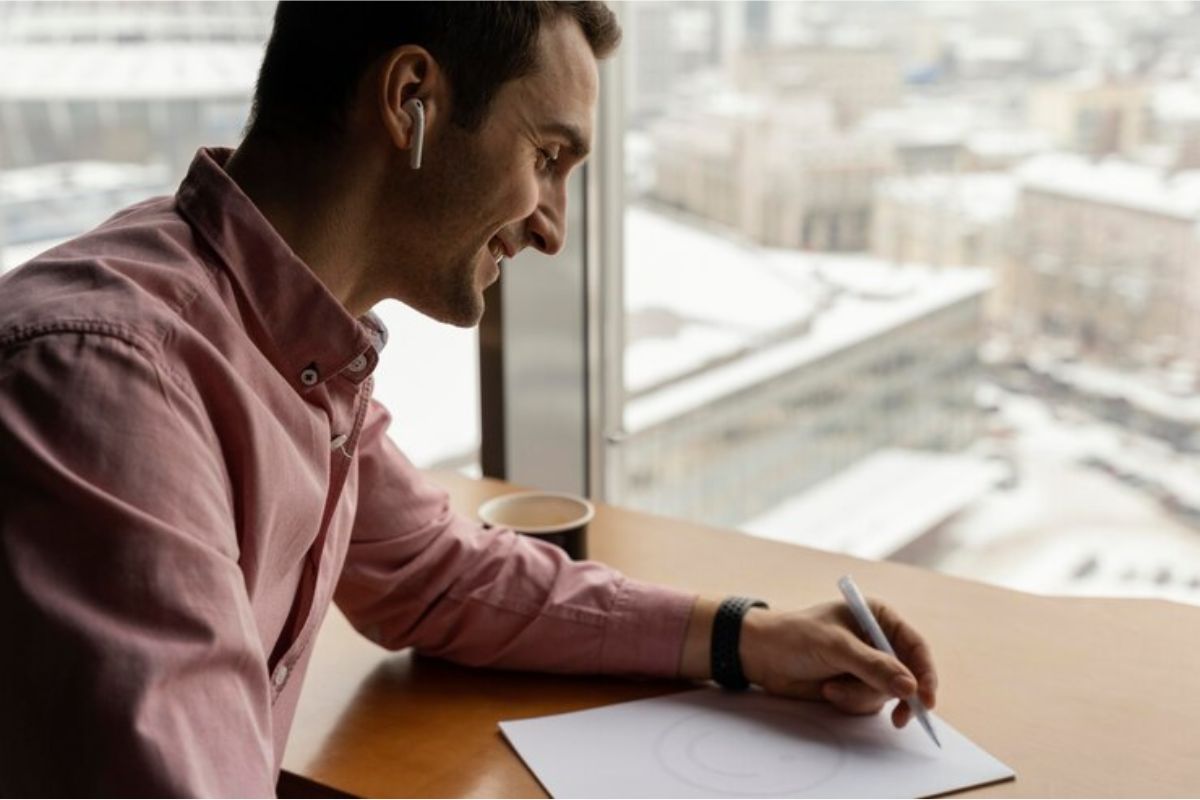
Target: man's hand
[(820, 654)]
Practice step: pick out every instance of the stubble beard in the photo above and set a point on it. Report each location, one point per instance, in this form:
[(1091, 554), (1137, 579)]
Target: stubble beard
[(464, 298), (447, 293)]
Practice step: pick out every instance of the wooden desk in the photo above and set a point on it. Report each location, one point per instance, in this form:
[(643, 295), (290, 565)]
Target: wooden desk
[(1082, 697)]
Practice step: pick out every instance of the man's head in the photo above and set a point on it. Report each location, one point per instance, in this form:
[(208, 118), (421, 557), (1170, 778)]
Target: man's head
[(509, 92)]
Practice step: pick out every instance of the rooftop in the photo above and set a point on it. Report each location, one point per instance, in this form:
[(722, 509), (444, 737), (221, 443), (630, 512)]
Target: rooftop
[(911, 492), (744, 314), (1011, 142), (1114, 181), (1152, 394), (1176, 102), (923, 121), (982, 197)]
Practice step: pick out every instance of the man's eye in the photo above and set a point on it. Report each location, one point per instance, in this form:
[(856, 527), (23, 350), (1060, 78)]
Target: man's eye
[(547, 160)]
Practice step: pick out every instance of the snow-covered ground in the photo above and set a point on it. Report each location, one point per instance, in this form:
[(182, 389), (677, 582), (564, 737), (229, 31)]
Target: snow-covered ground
[(1057, 503), (911, 492), (1069, 527)]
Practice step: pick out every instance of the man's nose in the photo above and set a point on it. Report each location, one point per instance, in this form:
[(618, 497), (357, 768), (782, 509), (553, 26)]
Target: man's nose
[(547, 226)]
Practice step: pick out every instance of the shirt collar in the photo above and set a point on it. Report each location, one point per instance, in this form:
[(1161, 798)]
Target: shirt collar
[(310, 335)]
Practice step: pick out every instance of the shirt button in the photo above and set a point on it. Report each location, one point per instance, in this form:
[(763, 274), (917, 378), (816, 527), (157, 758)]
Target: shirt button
[(310, 376), (280, 677), (358, 364)]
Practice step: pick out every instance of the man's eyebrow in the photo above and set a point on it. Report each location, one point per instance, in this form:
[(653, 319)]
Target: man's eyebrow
[(575, 141)]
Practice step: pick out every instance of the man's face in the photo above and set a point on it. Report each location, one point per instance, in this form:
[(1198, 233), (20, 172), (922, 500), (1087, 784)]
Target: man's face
[(493, 191)]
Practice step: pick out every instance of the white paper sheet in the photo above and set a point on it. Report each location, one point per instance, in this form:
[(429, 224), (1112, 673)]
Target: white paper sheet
[(709, 743)]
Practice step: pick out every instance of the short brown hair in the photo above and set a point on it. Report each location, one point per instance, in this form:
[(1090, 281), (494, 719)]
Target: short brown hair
[(318, 53)]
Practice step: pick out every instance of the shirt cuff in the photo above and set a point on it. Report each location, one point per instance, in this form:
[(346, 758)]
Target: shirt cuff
[(645, 632)]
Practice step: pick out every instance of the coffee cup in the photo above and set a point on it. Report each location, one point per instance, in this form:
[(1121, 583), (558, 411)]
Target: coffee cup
[(555, 517)]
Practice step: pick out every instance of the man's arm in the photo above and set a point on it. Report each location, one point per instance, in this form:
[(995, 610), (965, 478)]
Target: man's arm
[(417, 574), (132, 662)]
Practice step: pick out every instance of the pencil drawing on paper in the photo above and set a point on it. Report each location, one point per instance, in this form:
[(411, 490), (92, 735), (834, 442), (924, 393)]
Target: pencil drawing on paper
[(758, 752)]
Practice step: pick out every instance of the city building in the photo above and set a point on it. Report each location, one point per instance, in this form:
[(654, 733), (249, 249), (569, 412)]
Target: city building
[(666, 45), (753, 373), (988, 56), (948, 220), (1174, 124), (967, 131), (1106, 253), (140, 83), (1092, 113), (781, 175), (1003, 148), (104, 104), (854, 69)]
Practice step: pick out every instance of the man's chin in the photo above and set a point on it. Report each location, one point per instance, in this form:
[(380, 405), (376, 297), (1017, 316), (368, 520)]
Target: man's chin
[(463, 311), (466, 312), (468, 322), (458, 303)]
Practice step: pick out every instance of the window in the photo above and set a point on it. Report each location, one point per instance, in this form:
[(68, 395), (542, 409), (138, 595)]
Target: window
[(827, 314)]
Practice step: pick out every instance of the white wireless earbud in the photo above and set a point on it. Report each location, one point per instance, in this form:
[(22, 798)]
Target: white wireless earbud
[(416, 109)]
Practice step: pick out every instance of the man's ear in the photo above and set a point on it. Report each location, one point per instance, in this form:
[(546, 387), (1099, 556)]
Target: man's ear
[(409, 73)]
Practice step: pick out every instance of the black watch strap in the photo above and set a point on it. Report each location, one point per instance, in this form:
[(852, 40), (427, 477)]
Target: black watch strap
[(726, 634)]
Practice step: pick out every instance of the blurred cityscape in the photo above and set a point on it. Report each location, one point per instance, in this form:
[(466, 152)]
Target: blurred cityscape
[(904, 280), (918, 280)]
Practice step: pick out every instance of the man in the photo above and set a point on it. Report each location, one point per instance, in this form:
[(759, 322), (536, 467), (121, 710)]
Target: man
[(192, 467)]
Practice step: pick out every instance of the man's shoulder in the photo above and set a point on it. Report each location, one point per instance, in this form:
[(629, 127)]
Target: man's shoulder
[(134, 275)]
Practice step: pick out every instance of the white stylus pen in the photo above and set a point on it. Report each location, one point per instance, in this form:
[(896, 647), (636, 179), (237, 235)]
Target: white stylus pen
[(866, 621)]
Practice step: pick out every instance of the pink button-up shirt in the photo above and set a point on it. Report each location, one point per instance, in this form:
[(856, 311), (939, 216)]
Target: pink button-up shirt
[(191, 469)]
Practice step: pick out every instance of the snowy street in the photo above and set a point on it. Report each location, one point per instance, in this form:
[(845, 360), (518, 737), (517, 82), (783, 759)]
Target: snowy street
[(1070, 528)]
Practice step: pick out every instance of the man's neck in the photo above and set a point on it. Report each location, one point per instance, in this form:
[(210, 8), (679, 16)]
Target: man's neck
[(310, 199)]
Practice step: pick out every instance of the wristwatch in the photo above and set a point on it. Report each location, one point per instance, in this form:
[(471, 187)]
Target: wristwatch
[(726, 634)]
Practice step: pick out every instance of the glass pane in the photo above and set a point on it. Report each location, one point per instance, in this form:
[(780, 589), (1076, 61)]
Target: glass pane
[(105, 104), (914, 281)]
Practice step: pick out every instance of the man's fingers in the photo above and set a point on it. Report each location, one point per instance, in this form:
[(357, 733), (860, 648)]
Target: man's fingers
[(901, 714), (911, 647), (873, 667), (914, 651), (854, 697)]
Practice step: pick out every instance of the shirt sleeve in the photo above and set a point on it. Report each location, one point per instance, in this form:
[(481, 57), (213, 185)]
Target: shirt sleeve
[(417, 574), (132, 665)]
